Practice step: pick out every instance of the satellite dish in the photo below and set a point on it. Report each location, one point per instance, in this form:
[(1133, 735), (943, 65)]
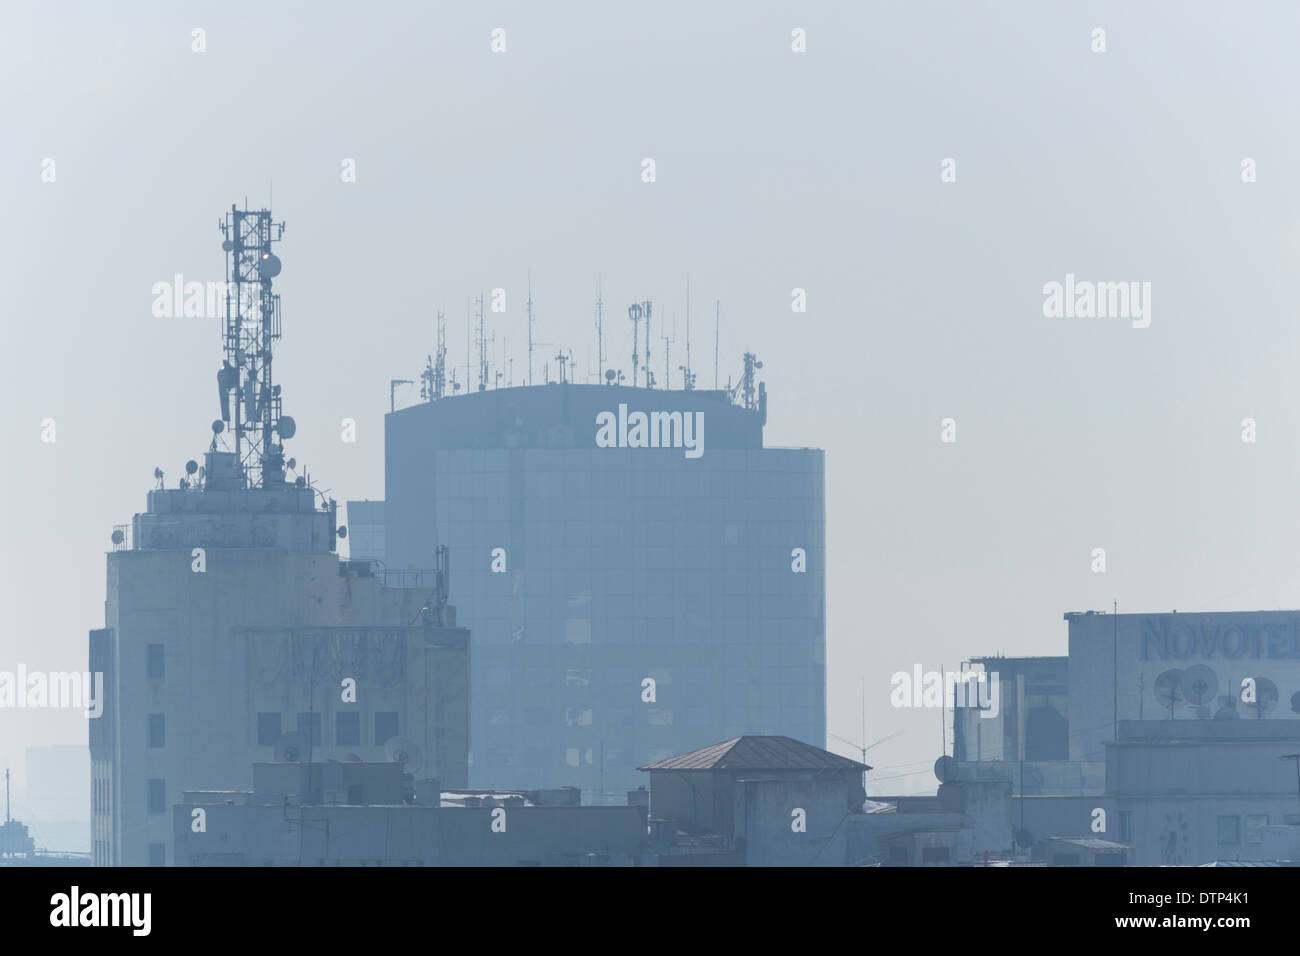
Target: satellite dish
[(404, 751), (1265, 697), (119, 537), (609, 375), (1295, 702), (292, 463), (1169, 689), (286, 426), (343, 531), (1200, 684), (292, 747), (158, 473), (945, 769), (1227, 708), (227, 246), (218, 426), (191, 467), (1024, 839), (268, 267)]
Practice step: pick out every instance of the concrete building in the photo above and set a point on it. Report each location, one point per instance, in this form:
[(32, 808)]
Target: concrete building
[(1194, 791), (626, 601), (232, 631), (231, 626), (754, 801), (1171, 725), (365, 814)]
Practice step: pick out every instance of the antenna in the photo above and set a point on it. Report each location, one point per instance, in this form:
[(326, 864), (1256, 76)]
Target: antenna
[(564, 360), (392, 391), (717, 318), (1169, 689), (668, 341), (530, 326), (433, 380), (688, 375), (634, 312), (649, 377), (482, 348), (252, 327), (600, 333)]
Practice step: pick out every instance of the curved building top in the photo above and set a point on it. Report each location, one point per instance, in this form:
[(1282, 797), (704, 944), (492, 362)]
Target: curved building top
[(568, 415)]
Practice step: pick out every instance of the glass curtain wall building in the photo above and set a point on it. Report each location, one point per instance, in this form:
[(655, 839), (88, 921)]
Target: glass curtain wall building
[(637, 585)]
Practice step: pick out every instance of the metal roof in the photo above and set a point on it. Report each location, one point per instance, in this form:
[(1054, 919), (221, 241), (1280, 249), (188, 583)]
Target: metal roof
[(1091, 843), (759, 753)]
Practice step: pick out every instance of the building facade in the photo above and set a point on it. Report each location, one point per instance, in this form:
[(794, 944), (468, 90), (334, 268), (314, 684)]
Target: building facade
[(639, 573), (234, 634)]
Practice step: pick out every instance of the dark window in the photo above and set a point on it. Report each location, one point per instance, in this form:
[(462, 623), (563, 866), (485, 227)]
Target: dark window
[(157, 854), (934, 854), (347, 729), (268, 729), (1110, 859), (311, 720), (385, 726), (1126, 826), (157, 795), (1065, 859), (154, 661), (157, 730), (1229, 830)]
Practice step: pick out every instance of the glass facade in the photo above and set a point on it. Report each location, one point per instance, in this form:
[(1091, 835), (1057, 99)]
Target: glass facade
[(624, 604)]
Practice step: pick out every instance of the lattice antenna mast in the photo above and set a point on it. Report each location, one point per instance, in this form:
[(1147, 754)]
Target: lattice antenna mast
[(483, 370), (252, 328)]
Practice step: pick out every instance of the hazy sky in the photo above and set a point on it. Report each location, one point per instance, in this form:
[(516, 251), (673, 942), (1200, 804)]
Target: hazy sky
[(774, 170)]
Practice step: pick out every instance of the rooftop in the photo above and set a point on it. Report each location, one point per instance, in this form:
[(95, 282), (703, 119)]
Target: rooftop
[(759, 753)]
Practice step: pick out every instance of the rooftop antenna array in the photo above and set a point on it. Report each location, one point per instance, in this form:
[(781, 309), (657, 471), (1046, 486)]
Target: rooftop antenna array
[(252, 326)]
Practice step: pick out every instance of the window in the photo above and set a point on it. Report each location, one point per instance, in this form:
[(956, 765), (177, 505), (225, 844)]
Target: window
[(157, 795), (154, 661), (157, 854), (1255, 823), (934, 854), (1229, 830), (268, 729), (347, 729), (1126, 826), (385, 726), (311, 720), (157, 731)]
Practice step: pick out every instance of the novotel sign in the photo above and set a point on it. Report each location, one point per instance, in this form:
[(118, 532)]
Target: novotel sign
[(1164, 638)]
